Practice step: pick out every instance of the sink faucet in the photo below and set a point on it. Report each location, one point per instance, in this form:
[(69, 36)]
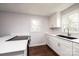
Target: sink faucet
[(68, 33)]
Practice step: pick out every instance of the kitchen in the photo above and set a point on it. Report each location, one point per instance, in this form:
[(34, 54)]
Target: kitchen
[(52, 25)]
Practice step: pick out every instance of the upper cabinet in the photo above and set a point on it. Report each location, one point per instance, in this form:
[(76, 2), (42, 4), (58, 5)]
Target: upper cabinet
[(54, 20)]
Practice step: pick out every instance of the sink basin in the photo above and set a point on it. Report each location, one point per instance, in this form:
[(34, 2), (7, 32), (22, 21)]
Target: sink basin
[(68, 37)]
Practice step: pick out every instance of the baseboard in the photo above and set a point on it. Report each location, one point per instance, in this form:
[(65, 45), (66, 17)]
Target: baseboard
[(33, 45)]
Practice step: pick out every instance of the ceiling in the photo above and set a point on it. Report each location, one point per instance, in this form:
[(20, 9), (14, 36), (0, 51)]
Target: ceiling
[(43, 9)]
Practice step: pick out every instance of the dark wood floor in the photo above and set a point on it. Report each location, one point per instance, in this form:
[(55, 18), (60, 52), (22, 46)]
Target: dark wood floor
[(43, 50)]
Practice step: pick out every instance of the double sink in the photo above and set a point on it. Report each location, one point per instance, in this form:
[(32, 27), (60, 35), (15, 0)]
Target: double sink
[(68, 37)]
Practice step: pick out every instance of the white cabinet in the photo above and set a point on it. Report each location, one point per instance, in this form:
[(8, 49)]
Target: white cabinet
[(75, 49), (53, 43), (49, 43), (54, 20), (65, 47), (60, 46)]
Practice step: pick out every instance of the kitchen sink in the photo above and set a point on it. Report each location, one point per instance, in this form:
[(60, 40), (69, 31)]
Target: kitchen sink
[(68, 37)]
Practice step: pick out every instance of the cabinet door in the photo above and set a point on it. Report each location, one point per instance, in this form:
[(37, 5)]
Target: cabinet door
[(65, 47), (53, 42), (53, 21), (49, 43), (56, 42), (75, 49)]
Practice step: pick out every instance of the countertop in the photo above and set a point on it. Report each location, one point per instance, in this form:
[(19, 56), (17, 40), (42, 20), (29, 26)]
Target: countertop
[(73, 40), (12, 46)]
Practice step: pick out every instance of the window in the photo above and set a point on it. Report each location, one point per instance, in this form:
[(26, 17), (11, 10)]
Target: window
[(35, 25), (71, 21)]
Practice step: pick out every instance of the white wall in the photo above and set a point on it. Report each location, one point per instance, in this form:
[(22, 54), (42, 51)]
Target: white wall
[(20, 24), (15, 23)]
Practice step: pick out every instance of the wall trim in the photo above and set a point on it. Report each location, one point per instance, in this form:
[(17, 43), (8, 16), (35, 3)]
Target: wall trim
[(33, 45)]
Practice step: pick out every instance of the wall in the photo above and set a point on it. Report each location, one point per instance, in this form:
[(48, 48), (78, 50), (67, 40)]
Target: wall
[(14, 23), (21, 24)]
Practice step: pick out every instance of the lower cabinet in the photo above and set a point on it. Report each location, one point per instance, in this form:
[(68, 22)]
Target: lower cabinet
[(52, 42), (60, 46), (75, 49), (65, 47)]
